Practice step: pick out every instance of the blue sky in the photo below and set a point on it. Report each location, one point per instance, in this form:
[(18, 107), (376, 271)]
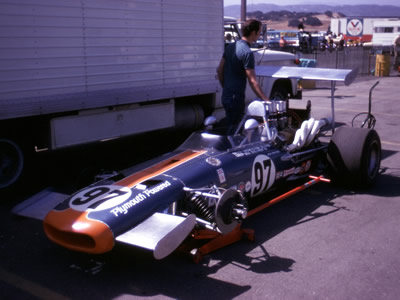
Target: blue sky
[(327, 2)]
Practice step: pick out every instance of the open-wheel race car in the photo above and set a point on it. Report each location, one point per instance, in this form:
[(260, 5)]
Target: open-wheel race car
[(205, 188)]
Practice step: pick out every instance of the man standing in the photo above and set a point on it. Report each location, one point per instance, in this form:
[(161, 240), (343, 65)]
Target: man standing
[(236, 66), (396, 48), (282, 43)]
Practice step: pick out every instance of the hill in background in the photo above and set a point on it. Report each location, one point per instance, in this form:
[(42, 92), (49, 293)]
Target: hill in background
[(284, 19), (313, 11), (348, 10)]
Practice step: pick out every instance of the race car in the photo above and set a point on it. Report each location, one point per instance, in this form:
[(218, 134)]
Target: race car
[(209, 183)]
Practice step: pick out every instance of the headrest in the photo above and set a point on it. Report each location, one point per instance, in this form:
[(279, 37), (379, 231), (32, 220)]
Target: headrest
[(256, 108)]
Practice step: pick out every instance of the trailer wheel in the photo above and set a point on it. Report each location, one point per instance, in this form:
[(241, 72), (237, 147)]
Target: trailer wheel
[(354, 156), (280, 93), (11, 163)]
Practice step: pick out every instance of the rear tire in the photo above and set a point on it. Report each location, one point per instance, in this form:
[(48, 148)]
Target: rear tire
[(354, 156)]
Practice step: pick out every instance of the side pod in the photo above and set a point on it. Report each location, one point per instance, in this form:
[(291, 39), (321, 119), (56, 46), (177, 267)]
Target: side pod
[(160, 233)]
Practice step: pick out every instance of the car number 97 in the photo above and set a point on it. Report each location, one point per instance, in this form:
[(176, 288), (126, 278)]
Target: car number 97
[(263, 175), (99, 197)]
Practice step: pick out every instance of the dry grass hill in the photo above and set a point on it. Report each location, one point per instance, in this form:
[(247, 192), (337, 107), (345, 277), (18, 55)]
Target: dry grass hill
[(283, 24)]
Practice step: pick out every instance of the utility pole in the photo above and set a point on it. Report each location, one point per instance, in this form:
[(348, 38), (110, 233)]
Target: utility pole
[(243, 10)]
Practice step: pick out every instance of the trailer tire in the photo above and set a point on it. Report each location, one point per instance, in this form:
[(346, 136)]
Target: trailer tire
[(354, 156), (11, 163), (279, 93)]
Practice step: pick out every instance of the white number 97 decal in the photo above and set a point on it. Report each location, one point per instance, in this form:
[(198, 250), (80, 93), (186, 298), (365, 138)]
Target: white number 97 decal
[(99, 197), (263, 175)]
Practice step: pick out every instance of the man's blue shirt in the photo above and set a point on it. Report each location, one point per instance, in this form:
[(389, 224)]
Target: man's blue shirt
[(238, 58)]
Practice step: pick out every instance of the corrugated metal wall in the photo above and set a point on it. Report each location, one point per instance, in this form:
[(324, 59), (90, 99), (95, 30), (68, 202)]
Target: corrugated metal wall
[(58, 55)]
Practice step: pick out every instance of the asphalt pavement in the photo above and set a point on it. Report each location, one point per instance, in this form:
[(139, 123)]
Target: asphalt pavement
[(326, 242)]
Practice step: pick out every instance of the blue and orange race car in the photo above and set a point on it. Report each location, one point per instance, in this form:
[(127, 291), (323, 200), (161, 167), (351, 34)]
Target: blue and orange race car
[(207, 186)]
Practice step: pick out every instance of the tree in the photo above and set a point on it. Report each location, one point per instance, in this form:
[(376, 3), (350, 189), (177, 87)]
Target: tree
[(295, 19), (259, 15), (312, 21), (293, 23)]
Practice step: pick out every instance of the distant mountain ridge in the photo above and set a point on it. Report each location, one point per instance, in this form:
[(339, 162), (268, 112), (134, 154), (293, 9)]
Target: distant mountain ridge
[(369, 10)]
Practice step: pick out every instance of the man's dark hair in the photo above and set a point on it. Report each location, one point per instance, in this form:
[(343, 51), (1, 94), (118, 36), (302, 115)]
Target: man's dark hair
[(249, 26)]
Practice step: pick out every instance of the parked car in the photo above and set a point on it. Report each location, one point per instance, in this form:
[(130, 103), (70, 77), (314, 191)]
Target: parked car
[(273, 39), (291, 38)]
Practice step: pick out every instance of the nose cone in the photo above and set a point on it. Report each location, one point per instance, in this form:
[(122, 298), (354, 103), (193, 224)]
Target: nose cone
[(74, 230)]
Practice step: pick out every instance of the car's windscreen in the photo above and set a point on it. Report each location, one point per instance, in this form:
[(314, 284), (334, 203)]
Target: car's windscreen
[(273, 36), (204, 140)]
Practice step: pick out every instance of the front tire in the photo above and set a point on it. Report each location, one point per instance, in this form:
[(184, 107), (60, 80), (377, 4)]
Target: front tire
[(354, 156)]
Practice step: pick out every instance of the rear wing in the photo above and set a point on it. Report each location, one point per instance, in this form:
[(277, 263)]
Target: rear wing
[(333, 75), (344, 75)]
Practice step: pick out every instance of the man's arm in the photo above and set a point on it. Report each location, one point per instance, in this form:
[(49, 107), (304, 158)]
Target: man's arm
[(220, 71), (251, 77)]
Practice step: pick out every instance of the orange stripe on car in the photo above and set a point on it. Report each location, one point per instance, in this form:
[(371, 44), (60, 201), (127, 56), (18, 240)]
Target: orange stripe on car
[(159, 168)]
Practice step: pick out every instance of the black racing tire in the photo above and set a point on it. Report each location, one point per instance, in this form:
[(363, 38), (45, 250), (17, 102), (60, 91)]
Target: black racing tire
[(354, 156)]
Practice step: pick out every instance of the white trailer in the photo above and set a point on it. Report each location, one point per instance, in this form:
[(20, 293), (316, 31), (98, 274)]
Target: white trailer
[(356, 29), (385, 32), (79, 71)]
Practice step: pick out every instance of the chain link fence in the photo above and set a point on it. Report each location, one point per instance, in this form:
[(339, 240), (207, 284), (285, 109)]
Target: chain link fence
[(347, 58)]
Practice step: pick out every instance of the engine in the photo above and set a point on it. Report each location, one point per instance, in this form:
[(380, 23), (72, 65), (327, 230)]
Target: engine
[(277, 114), (271, 120), (278, 126), (292, 130)]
